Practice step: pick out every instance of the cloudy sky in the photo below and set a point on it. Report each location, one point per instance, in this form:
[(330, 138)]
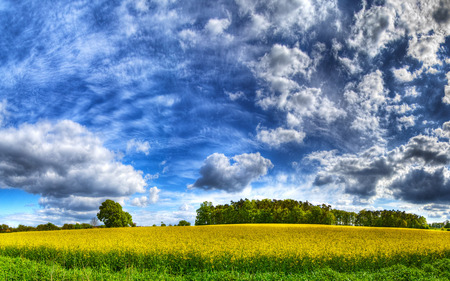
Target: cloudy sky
[(163, 104)]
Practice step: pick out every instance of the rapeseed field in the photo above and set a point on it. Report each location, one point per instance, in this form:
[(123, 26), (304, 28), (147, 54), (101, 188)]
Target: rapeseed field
[(249, 248)]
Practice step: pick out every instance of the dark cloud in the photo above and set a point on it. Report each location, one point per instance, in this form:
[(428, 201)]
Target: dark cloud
[(420, 186), (65, 164), (218, 173), (364, 179), (408, 167), (436, 207), (428, 149), (442, 14), (323, 180)]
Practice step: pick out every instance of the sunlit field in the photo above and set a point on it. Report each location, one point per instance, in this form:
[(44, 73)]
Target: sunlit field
[(252, 248)]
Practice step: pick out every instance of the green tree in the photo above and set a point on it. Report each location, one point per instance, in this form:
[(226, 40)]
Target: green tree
[(112, 215), (184, 223), (204, 214)]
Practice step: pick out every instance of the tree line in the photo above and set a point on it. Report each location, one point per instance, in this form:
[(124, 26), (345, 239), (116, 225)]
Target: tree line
[(292, 211), (111, 214)]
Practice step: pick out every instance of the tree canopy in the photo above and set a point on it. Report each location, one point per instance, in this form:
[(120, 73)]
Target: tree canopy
[(292, 211), (112, 215)]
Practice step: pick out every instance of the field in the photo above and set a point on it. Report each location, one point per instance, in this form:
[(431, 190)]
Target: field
[(229, 252)]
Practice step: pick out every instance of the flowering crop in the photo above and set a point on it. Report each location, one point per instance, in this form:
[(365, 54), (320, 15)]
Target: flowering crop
[(254, 247)]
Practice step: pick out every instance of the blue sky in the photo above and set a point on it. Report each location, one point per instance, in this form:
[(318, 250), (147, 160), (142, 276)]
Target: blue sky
[(161, 105)]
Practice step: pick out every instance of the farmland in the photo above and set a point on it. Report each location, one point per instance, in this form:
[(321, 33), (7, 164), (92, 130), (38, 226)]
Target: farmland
[(236, 251)]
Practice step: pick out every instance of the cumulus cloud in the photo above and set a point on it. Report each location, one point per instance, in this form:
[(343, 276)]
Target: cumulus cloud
[(280, 69), (446, 98), (64, 163), (407, 172), (365, 100), (373, 29), (421, 186), (138, 146), (144, 201), (285, 17), (280, 136), (405, 122), (217, 26), (424, 22), (217, 172), (403, 74)]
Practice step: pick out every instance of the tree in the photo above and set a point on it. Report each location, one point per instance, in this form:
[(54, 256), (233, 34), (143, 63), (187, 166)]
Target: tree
[(94, 222), (112, 215), (184, 223), (204, 214)]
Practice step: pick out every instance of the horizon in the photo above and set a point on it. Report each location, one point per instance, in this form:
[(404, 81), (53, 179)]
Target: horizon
[(161, 105)]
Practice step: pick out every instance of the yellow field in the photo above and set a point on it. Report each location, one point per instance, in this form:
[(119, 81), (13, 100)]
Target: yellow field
[(229, 245)]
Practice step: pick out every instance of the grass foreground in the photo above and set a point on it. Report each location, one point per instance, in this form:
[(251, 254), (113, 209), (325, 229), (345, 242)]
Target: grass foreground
[(23, 269), (227, 252)]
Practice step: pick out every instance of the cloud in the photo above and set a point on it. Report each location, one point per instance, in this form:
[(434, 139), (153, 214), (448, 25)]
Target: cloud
[(138, 146), (423, 22), (279, 136), (286, 17), (64, 163), (144, 201), (442, 14), (406, 172), (446, 98), (217, 26), (419, 186), (218, 173), (403, 75), (3, 111), (365, 101), (283, 70), (426, 149), (373, 29), (406, 122)]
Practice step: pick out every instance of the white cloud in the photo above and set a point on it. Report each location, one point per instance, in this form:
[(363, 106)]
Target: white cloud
[(365, 100), (64, 163), (217, 26), (422, 21), (138, 146), (403, 75), (217, 172), (144, 201), (235, 96), (373, 29), (279, 136), (411, 92), (283, 62), (3, 111), (446, 98), (406, 122), (280, 69), (285, 17)]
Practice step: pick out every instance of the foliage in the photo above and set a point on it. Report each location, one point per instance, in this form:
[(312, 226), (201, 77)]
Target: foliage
[(23, 269), (292, 211), (184, 223), (76, 226), (112, 215), (47, 226)]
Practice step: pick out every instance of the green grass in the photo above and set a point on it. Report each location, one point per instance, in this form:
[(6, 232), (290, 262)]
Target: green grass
[(16, 268), (117, 261)]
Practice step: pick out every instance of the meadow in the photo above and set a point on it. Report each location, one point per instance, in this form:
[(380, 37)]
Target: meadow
[(228, 252)]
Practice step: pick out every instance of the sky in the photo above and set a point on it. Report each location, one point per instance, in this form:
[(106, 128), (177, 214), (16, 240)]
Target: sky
[(161, 105)]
